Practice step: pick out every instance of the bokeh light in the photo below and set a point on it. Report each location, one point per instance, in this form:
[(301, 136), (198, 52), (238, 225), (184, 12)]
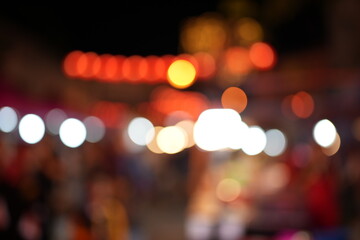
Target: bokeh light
[(255, 141), (206, 33), (31, 128), (206, 65), (156, 68), (262, 56), (72, 133), (275, 142), (53, 120), (228, 190), (198, 226), (108, 68), (95, 129), (188, 127), (274, 177), (181, 74), (152, 145), (135, 68), (234, 98), (81, 64), (237, 61), (333, 148), (175, 117), (302, 104), (166, 100), (301, 235), (91, 66), (218, 129), (172, 139), (8, 119), (324, 133), (141, 131), (70, 63), (247, 31)]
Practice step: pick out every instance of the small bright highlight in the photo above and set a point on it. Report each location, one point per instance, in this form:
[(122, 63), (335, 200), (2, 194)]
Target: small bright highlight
[(72, 133), (8, 119), (228, 190), (172, 139), (141, 131), (324, 133), (181, 74), (276, 143), (31, 128), (95, 129)]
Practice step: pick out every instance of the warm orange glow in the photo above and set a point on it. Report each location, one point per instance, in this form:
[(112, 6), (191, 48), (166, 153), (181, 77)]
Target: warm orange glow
[(248, 30), (188, 127), (234, 98), (90, 65), (112, 114), (228, 190), (206, 33), (302, 104), (168, 60), (101, 75), (206, 63), (274, 177), (119, 72), (152, 145), (166, 100), (134, 68), (152, 75), (181, 73), (70, 63), (111, 68), (160, 70), (262, 55), (333, 148), (81, 64), (237, 61)]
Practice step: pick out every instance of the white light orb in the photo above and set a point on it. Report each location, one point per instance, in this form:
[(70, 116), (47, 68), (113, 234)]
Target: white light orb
[(141, 131), (255, 141), (8, 119), (276, 143), (53, 119), (72, 132), (218, 129), (95, 129), (324, 133), (31, 128)]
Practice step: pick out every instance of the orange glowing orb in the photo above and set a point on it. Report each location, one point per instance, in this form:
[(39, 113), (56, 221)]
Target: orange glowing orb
[(234, 98), (262, 56), (302, 104)]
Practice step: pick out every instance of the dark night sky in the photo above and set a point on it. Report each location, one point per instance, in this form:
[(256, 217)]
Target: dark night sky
[(148, 28)]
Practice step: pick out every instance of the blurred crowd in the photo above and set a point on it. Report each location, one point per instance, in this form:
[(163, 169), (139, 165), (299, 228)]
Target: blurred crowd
[(102, 191)]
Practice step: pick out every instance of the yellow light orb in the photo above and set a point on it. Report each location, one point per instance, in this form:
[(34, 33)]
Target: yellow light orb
[(181, 74), (171, 139)]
